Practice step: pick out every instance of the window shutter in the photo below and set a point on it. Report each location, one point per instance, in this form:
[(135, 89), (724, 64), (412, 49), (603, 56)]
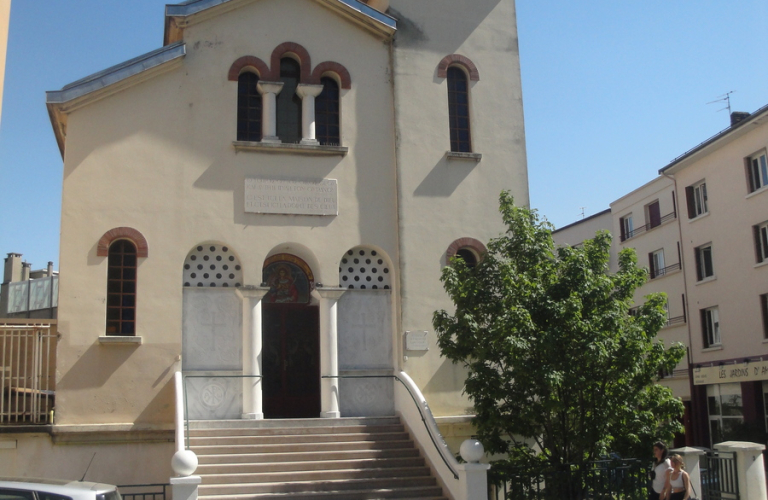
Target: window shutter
[(764, 308), (690, 201), (621, 229), (704, 327), (654, 214), (758, 243), (652, 265), (698, 265)]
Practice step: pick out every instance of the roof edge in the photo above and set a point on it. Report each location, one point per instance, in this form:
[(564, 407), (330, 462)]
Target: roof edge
[(723, 133), (585, 219)]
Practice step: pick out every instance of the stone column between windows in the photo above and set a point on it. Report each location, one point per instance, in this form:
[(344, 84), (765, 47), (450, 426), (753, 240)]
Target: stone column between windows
[(269, 91), (252, 351), (308, 92), (329, 351)]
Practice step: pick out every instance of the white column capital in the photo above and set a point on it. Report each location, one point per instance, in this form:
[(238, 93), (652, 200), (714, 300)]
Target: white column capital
[(308, 89), (269, 87), (329, 293)]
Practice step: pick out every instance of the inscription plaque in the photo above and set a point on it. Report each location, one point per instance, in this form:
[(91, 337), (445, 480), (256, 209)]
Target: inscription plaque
[(290, 197), (416, 341)]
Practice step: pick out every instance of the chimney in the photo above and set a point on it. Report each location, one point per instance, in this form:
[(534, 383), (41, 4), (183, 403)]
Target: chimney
[(49, 273), (26, 267), (12, 268), (738, 116)]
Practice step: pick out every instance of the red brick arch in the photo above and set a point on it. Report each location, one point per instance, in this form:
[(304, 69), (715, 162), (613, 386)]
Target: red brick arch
[(332, 67), (471, 243), (457, 60), (291, 48), (249, 62), (120, 233)]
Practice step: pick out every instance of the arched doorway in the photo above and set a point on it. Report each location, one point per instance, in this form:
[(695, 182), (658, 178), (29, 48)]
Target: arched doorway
[(291, 340)]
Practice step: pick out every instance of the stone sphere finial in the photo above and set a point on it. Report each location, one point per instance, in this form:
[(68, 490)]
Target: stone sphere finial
[(184, 462), (472, 451)]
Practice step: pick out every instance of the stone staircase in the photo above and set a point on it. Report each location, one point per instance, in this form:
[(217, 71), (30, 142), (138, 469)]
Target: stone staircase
[(310, 459)]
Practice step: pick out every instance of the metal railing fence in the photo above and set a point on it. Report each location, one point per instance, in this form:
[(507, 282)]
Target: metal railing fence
[(719, 476), (648, 227), (622, 479), (158, 491), (27, 373)]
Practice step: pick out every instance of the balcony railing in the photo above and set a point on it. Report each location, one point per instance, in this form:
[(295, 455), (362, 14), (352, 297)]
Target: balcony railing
[(677, 320), (655, 273), (648, 227)]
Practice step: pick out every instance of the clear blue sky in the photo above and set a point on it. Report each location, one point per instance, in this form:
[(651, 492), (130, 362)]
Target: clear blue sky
[(613, 90)]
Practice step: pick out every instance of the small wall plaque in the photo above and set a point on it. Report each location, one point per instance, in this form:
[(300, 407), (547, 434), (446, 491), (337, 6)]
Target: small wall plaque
[(292, 197), (416, 341)]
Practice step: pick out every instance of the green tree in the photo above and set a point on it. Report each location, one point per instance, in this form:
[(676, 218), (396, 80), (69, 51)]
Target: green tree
[(558, 370)]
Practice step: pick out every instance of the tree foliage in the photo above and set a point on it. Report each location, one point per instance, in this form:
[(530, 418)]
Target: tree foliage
[(558, 370)]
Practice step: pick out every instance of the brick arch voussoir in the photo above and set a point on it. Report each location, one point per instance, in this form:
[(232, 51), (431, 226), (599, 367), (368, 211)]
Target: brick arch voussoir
[(119, 233), (457, 59), (249, 62), (472, 243), (332, 67), (301, 53)]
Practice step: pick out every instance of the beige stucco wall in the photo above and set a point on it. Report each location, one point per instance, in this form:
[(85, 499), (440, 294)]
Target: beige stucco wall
[(5, 18), (728, 226), (158, 157), (443, 200), (663, 237)]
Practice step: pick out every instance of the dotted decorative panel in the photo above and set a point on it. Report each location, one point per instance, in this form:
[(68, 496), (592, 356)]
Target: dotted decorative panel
[(364, 268), (212, 265)]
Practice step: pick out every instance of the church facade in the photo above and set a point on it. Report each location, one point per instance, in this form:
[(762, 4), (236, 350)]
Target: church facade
[(265, 204)]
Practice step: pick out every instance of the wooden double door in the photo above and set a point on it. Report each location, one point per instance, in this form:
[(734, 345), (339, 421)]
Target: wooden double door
[(291, 360)]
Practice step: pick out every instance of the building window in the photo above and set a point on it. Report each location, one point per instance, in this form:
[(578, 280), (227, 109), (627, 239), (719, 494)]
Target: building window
[(757, 172), (704, 268), (653, 214), (289, 103), (696, 197), (327, 113), (726, 412), (248, 107), (761, 241), (656, 262), (121, 288), (458, 110), (212, 265), (710, 327), (626, 227), (364, 268), (764, 313)]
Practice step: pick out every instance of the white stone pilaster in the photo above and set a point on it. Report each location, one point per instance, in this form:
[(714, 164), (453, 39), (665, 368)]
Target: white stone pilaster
[(269, 91), (252, 349), (308, 92), (329, 351)]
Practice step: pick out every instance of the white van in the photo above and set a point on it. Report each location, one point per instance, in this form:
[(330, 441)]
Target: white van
[(55, 489)]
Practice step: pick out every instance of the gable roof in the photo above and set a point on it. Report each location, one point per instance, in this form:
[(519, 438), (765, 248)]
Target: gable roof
[(177, 17)]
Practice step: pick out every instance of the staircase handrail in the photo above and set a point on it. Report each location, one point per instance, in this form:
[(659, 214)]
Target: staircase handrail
[(178, 383), (426, 415)]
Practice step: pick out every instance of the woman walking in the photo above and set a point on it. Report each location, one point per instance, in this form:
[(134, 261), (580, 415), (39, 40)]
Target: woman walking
[(678, 482), (661, 468)]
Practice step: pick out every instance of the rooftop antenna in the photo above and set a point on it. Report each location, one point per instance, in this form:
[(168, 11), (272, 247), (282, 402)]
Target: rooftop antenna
[(725, 97), (582, 212)]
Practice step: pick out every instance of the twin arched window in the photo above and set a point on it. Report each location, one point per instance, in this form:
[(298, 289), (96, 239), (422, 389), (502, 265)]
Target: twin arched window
[(248, 107)]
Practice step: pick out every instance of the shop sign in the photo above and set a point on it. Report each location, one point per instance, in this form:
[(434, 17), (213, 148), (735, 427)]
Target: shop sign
[(738, 372)]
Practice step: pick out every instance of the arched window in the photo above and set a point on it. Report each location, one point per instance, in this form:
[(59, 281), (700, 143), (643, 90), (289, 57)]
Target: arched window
[(364, 268), (458, 110), (288, 103), (212, 265), (121, 288), (248, 107), (327, 113)]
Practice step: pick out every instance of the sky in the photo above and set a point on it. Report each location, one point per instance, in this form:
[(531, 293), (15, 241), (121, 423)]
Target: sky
[(612, 92)]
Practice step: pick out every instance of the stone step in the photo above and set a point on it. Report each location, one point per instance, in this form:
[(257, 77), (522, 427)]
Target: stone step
[(314, 475), (243, 449), (417, 493), (296, 438), (317, 486), (362, 463), (306, 456), (293, 431), (300, 423)]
